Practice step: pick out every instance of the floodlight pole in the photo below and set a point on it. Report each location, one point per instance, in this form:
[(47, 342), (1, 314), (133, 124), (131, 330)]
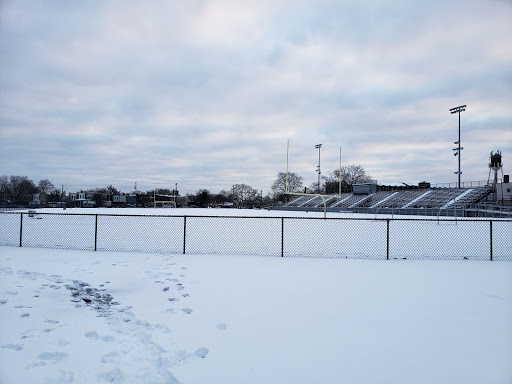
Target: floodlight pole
[(318, 146), (309, 194), (457, 150)]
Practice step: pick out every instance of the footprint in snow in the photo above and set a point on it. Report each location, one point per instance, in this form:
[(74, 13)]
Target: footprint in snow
[(47, 358), (107, 339), (222, 327), (92, 335), (113, 376), (111, 357), (64, 377), (14, 347), (61, 342), (188, 311), (202, 352)]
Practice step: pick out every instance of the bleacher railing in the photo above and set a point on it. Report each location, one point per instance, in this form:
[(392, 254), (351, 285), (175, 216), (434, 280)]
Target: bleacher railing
[(387, 238)]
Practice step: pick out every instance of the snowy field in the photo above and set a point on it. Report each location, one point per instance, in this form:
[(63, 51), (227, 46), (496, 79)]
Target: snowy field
[(79, 316)]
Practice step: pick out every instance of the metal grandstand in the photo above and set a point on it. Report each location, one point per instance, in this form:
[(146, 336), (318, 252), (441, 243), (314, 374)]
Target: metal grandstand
[(419, 200), (423, 202)]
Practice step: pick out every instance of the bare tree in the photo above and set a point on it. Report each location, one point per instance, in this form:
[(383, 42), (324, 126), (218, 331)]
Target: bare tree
[(45, 186), (244, 193), (4, 183), (223, 196), (112, 190), (279, 186), (19, 188), (350, 175)]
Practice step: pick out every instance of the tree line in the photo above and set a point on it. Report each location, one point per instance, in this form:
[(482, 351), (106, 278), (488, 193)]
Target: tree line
[(19, 190)]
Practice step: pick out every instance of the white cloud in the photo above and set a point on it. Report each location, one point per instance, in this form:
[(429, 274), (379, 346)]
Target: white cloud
[(206, 93)]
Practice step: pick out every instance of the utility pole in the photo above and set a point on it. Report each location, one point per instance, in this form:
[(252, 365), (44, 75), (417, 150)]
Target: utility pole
[(457, 150)]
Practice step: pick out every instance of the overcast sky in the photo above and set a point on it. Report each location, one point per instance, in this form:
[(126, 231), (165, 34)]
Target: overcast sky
[(206, 93)]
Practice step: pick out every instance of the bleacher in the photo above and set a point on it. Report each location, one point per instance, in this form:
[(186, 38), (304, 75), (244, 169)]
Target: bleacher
[(339, 200), (437, 198), (431, 199), (298, 201), (350, 201), (375, 199), (401, 198), (474, 196)]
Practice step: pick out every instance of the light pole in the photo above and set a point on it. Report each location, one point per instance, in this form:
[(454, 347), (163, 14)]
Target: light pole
[(457, 150), (318, 146)]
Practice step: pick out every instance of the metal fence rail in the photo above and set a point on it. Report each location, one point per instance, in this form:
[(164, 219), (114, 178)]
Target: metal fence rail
[(355, 238)]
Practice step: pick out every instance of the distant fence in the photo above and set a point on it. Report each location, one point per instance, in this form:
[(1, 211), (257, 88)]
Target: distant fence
[(270, 236)]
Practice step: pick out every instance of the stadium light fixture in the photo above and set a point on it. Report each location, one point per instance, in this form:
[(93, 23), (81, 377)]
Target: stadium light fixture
[(458, 110)]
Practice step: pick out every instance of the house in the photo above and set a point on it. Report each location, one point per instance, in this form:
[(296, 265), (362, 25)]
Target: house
[(119, 200), (81, 199), (40, 200)]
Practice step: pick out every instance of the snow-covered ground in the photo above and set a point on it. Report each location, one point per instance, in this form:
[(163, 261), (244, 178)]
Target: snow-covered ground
[(155, 318), (71, 316)]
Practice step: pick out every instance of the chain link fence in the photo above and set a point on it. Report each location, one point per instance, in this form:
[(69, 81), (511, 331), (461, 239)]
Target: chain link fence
[(475, 239), (346, 238)]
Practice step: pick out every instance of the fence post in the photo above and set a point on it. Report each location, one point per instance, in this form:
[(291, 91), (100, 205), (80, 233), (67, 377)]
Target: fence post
[(96, 234), (21, 228), (184, 233), (282, 236), (387, 240), (490, 232)]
